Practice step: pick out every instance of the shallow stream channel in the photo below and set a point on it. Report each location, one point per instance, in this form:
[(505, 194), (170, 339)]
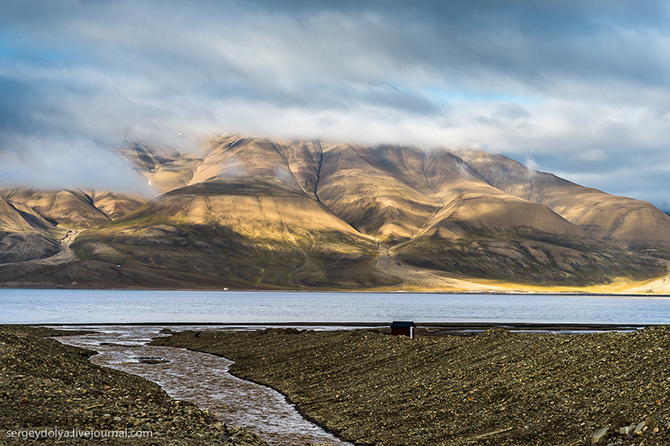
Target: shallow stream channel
[(204, 380)]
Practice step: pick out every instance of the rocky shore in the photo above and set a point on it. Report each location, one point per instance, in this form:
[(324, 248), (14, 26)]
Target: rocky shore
[(48, 389), (497, 388)]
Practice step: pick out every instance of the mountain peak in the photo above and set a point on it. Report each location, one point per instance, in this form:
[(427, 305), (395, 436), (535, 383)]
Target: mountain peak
[(260, 213)]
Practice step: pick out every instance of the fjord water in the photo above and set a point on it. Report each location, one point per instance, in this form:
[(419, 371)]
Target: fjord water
[(113, 306)]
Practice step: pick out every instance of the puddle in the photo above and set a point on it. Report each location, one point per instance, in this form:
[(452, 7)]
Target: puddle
[(203, 379)]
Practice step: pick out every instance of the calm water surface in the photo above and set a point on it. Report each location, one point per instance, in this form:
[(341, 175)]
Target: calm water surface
[(108, 306)]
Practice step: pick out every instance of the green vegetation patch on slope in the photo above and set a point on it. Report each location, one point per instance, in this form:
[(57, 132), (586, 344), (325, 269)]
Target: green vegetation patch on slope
[(216, 253), (249, 233), (535, 259)]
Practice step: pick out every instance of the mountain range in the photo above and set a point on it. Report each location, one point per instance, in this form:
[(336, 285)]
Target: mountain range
[(252, 213)]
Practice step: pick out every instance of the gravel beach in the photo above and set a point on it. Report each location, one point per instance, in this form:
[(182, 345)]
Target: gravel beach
[(497, 388), (48, 389)]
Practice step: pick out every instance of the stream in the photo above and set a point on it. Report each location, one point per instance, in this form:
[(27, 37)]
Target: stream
[(204, 380)]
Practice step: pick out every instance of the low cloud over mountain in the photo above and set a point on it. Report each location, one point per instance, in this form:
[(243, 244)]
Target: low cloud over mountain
[(260, 213), (579, 88)]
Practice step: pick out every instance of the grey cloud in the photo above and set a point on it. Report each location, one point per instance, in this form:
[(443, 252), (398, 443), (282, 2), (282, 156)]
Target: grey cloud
[(12, 117), (574, 85)]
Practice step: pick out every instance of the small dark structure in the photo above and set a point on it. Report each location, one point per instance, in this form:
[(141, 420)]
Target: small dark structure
[(401, 328)]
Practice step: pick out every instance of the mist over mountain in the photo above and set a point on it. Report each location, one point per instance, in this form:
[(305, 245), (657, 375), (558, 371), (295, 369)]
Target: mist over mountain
[(260, 213), (580, 89)]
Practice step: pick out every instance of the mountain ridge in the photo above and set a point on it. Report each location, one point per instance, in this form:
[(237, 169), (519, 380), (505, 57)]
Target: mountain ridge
[(260, 213)]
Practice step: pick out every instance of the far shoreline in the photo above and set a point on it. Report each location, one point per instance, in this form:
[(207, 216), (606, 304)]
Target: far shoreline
[(334, 291)]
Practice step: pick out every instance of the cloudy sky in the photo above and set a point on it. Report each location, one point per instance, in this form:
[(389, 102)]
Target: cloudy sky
[(580, 89)]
